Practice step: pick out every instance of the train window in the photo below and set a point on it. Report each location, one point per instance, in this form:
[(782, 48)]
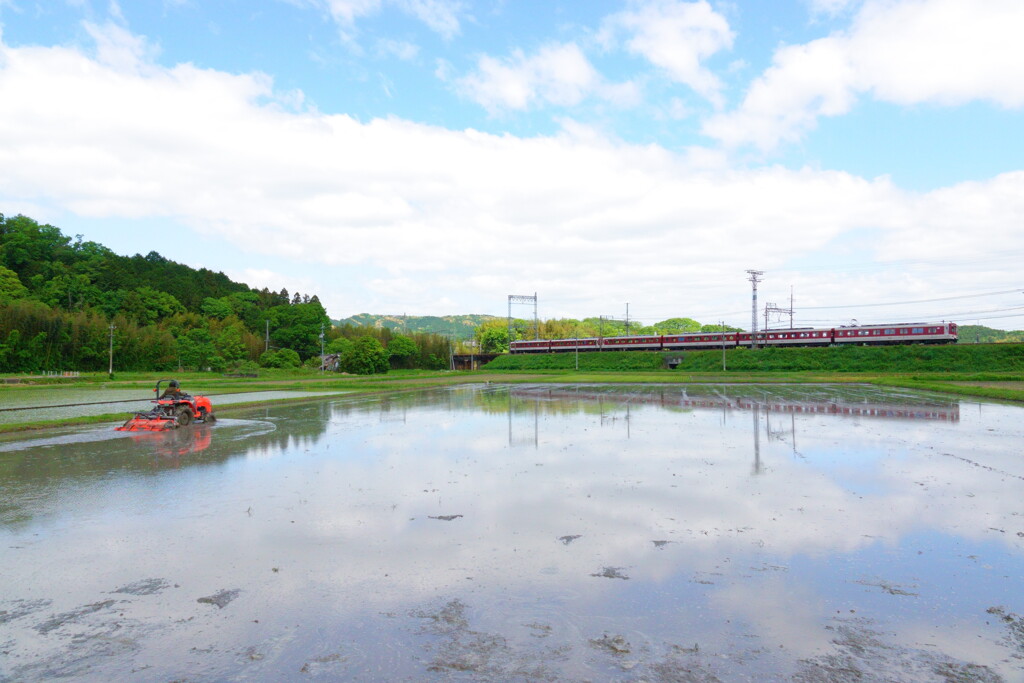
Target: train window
[(890, 331), (918, 330), (864, 332)]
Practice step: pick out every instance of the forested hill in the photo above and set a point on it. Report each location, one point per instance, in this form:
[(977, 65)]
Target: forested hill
[(970, 334), (73, 275), (59, 297), (454, 326)]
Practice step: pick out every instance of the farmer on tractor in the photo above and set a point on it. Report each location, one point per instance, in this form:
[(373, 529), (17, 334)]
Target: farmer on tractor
[(174, 408), (173, 391)]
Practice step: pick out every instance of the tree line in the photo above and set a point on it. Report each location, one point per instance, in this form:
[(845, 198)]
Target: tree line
[(63, 301)]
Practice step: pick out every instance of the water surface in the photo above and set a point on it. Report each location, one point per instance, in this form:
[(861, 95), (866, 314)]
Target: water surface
[(551, 533)]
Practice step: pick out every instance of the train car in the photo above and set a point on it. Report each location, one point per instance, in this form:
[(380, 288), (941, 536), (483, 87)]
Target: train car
[(698, 340), (904, 333), (589, 344), (648, 343), (531, 346), (796, 337)]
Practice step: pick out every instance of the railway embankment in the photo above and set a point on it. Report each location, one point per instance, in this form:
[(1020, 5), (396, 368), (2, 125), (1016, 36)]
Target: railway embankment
[(994, 371), (966, 358)]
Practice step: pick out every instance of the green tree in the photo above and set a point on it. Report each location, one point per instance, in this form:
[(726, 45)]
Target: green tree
[(298, 327), (677, 326), (217, 308), (402, 351), (492, 336), (281, 358), (366, 357), (230, 344), (10, 286), (197, 350), (339, 345)]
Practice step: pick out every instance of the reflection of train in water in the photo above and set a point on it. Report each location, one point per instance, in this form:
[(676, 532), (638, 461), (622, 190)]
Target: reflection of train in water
[(904, 333), (900, 408)]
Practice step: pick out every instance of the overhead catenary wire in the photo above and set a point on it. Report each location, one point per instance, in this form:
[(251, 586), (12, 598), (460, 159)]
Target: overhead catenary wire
[(650, 317), (917, 301)]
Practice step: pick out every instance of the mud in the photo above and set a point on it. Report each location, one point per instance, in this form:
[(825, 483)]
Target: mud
[(862, 654), (612, 573), (17, 609), (221, 598), (144, 587), (72, 616)]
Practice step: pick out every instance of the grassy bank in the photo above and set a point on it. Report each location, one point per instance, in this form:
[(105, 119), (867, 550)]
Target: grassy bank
[(974, 358)]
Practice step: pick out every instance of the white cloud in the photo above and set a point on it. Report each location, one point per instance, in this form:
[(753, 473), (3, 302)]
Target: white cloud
[(398, 48), (676, 37), (558, 74), (945, 52), (347, 11), (118, 48), (441, 16), (259, 278), (831, 7), (581, 217)]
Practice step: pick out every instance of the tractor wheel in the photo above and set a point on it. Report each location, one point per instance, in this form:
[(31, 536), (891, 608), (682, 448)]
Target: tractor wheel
[(183, 415), (209, 418)]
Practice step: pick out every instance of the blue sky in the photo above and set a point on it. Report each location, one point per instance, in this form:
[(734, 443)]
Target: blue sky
[(435, 156)]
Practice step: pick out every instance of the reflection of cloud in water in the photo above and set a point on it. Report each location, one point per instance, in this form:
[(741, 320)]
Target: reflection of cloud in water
[(348, 501)]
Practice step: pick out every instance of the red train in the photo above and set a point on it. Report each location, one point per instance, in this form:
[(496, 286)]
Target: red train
[(904, 333)]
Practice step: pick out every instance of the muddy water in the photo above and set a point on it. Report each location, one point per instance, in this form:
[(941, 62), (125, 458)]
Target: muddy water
[(525, 533), (39, 404)]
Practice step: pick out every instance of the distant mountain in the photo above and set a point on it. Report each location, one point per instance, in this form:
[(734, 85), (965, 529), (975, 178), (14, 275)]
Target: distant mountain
[(455, 326), (970, 334)]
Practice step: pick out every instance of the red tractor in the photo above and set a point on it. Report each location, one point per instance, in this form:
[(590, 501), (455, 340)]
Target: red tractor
[(173, 409)]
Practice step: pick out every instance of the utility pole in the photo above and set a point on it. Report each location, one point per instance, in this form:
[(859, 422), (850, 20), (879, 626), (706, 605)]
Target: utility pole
[(627, 318), (536, 324), (754, 279), (110, 370), (321, 348), (722, 325), (266, 344), (791, 307)]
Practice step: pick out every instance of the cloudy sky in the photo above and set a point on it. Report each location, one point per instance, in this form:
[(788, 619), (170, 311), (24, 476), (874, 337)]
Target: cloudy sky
[(435, 156)]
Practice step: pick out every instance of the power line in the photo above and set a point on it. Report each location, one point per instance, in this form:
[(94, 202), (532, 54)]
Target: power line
[(865, 266), (918, 301), (962, 315)]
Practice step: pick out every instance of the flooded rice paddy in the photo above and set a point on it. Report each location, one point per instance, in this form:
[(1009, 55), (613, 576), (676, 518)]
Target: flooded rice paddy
[(40, 404), (525, 533)]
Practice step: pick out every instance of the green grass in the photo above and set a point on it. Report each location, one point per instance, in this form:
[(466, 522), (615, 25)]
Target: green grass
[(996, 358), (607, 361)]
